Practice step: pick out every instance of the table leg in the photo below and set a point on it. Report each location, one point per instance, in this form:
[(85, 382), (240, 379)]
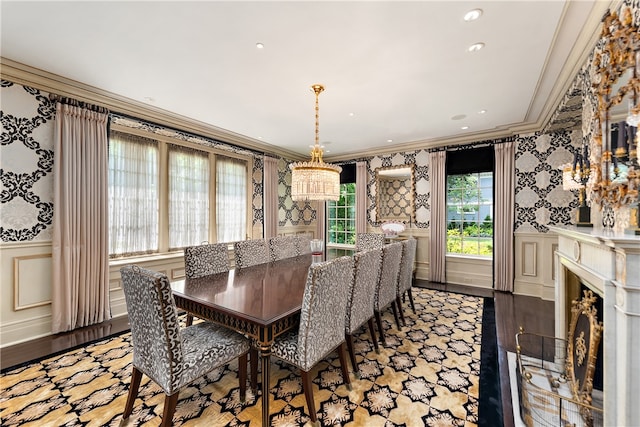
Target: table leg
[(265, 353)]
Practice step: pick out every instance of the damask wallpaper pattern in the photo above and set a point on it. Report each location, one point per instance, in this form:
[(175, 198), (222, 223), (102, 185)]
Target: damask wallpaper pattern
[(26, 164), (27, 185)]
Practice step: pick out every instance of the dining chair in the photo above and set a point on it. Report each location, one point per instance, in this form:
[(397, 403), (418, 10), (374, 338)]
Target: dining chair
[(366, 273), (386, 291), (281, 247), (368, 241), (250, 252), (204, 260), (321, 327), (171, 356), (405, 278), (303, 244)]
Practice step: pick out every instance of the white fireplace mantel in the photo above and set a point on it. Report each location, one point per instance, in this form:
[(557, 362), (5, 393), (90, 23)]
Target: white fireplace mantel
[(608, 262)]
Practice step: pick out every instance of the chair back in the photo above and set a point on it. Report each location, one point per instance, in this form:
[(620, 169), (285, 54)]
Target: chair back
[(366, 274), (281, 247), (206, 259), (368, 241), (387, 285), (250, 252), (155, 331), (303, 244), (406, 265), (324, 306)]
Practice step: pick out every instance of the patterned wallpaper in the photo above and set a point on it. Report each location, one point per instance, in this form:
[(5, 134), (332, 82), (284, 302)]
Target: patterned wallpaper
[(396, 198), (26, 164), (290, 212), (540, 199)]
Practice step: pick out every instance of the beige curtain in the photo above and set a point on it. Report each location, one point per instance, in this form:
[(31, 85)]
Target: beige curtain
[(362, 177), (80, 254), (320, 221), (438, 225), (270, 197), (503, 253)]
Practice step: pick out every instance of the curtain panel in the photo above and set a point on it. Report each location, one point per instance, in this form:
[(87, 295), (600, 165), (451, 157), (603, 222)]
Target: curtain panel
[(80, 242), (231, 199), (438, 227), (270, 197), (503, 253), (361, 197)]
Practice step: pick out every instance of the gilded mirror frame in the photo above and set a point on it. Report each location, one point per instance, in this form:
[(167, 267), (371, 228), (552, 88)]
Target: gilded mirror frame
[(407, 214)]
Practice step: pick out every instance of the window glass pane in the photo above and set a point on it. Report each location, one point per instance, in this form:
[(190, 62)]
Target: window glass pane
[(188, 197), (231, 199), (133, 195), (470, 214), (341, 221)]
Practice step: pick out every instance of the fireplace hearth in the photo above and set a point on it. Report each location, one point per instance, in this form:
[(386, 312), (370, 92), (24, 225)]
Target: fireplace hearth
[(608, 263)]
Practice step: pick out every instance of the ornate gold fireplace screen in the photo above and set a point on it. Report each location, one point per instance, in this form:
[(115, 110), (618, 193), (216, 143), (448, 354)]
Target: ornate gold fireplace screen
[(555, 377)]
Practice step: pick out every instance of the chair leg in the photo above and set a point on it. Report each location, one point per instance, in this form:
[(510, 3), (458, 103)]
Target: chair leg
[(343, 365), (352, 355), (395, 314), (170, 403), (189, 320), (399, 304), (136, 376), (372, 332), (413, 307), (242, 376), (308, 394), (254, 356), (379, 322)]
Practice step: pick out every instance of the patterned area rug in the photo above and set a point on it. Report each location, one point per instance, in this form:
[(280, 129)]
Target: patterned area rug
[(428, 374)]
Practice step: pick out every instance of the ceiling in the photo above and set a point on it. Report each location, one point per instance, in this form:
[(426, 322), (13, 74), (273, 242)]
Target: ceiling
[(395, 73)]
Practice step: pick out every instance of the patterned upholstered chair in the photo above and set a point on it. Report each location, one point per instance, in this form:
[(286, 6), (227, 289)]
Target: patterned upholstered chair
[(321, 328), (367, 266), (172, 357), (368, 241), (251, 252), (282, 247), (405, 279), (303, 244), (387, 289), (203, 260)]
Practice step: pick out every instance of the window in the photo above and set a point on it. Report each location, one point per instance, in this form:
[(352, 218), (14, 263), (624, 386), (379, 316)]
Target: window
[(188, 196), (133, 195), (341, 220), (164, 196), (470, 214)]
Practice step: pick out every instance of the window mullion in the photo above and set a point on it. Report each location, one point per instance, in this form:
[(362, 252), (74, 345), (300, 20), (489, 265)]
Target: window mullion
[(213, 226), (163, 197)]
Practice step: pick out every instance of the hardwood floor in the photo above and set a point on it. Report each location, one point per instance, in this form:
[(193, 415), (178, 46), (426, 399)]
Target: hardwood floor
[(512, 311)]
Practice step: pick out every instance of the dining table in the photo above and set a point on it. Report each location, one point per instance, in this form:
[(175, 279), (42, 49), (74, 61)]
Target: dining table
[(261, 302)]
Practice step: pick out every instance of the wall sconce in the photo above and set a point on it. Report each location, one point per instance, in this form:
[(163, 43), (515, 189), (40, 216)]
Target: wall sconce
[(575, 177)]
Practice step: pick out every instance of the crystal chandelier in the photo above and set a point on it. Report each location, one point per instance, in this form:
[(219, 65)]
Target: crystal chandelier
[(315, 179)]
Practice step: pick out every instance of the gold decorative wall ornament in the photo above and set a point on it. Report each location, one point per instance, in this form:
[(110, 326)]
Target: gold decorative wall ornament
[(616, 174)]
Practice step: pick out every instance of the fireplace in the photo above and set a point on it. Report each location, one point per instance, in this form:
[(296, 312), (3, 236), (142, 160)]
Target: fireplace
[(608, 263)]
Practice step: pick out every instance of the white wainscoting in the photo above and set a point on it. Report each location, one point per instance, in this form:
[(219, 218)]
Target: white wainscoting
[(534, 264)]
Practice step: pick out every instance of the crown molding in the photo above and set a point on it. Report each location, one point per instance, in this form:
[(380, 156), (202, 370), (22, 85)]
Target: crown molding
[(52, 83)]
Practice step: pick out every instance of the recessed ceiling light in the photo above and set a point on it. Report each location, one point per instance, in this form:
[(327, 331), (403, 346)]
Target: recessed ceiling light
[(351, 114), (259, 46), (389, 140), (472, 15), (459, 117), (482, 111), (464, 127), (476, 47)]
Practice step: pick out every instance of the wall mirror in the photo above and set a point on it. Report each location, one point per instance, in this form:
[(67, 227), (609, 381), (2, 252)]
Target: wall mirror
[(395, 194)]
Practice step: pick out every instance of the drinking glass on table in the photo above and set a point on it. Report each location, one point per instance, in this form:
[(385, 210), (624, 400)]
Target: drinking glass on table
[(317, 247)]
